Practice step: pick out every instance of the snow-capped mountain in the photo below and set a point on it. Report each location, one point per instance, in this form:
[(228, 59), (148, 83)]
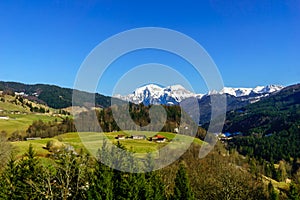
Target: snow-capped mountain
[(154, 94), (259, 90), (172, 95)]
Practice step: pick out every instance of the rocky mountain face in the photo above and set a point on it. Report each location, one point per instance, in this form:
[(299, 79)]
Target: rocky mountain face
[(176, 94)]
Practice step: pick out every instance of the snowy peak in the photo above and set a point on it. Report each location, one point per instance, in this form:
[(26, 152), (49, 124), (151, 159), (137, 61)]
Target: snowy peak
[(267, 89), (173, 95), (259, 90), (237, 92), (154, 94)]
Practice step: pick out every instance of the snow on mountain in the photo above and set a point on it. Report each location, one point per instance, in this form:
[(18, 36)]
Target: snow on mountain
[(259, 90), (170, 95), (237, 92), (267, 89), (154, 94)]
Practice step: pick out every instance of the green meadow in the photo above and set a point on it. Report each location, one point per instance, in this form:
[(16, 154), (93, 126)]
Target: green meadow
[(92, 141), (21, 122), (19, 116)]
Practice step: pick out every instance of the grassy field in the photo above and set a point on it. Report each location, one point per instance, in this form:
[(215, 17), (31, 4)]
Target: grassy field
[(93, 142), (21, 122), (20, 117)]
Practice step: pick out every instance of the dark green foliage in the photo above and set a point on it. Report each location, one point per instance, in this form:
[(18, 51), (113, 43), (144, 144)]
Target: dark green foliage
[(182, 188), (102, 184), (67, 178), (50, 129), (10, 181), (70, 175), (273, 194), (18, 177), (102, 178), (108, 183), (52, 96), (138, 119), (272, 114), (294, 193), (282, 145)]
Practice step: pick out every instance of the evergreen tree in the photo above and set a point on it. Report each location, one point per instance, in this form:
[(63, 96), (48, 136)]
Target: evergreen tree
[(10, 181), (102, 183), (29, 172), (155, 188), (182, 189)]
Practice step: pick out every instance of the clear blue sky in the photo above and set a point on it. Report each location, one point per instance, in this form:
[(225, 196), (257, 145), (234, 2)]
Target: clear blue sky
[(253, 42)]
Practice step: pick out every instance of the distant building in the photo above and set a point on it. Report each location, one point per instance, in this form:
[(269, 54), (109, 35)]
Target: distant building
[(158, 138), (34, 138), (176, 130), (121, 137), (138, 137)]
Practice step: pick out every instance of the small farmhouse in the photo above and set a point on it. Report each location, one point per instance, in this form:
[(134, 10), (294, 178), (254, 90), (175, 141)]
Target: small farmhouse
[(158, 138), (138, 137), (121, 137)]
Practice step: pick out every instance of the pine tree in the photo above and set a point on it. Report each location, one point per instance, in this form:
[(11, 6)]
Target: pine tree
[(155, 188), (10, 181), (182, 189), (29, 172), (102, 185)]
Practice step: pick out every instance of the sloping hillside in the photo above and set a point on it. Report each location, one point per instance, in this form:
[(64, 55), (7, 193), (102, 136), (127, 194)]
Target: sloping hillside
[(51, 95), (272, 114), (271, 127), (17, 113)]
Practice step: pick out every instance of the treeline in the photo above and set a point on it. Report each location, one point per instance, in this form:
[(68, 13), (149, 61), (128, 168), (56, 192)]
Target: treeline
[(70, 175), (273, 147), (137, 117), (50, 129), (277, 148), (51, 95), (275, 113), (78, 176)]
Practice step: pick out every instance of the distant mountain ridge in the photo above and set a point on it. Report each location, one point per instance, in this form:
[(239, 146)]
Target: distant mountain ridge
[(50, 95), (239, 92), (154, 94), (173, 95), (277, 112)]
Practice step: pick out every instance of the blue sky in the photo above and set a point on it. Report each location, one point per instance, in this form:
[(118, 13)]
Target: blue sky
[(253, 42)]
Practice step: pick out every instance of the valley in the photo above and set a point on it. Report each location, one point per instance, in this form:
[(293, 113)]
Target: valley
[(265, 151)]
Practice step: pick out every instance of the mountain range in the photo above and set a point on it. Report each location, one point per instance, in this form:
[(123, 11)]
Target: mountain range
[(58, 97), (268, 115), (175, 94)]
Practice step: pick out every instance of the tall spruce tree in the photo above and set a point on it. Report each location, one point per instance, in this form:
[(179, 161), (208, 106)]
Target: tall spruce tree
[(102, 182), (10, 181), (182, 189)]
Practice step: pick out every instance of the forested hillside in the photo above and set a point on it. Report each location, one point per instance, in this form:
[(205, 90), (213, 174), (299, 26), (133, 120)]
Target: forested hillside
[(275, 113), (51, 95)]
